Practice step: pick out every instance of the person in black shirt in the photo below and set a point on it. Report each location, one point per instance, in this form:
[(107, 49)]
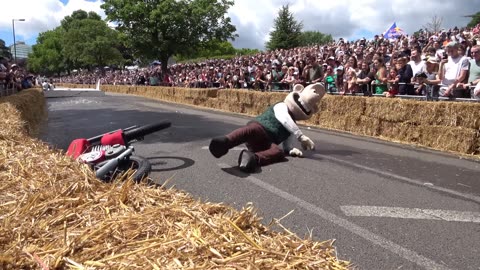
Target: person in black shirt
[(365, 78), (405, 75)]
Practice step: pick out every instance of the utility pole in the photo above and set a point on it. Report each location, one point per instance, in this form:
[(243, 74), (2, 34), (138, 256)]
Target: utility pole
[(14, 42)]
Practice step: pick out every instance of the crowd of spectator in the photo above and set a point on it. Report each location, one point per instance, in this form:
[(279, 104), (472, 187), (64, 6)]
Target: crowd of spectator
[(446, 63), (13, 78)]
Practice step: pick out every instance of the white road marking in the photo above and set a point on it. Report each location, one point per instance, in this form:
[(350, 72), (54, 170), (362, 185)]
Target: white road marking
[(234, 148), (349, 226), (410, 213), (403, 178)]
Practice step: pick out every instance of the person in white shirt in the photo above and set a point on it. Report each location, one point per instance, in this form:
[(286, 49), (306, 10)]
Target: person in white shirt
[(417, 64), (453, 71)]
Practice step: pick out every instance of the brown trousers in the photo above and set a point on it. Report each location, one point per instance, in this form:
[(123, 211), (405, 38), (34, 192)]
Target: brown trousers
[(257, 140)]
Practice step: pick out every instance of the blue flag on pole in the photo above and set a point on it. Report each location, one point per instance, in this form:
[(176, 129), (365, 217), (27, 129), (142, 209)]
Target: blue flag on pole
[(394, 32)]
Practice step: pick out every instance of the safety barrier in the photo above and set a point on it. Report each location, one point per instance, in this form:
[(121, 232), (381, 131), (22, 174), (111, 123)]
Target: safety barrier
[(431, 93), (7, 91)]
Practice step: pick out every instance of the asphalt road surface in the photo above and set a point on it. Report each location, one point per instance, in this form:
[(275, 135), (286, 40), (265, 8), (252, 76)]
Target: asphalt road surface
[(388, 206)]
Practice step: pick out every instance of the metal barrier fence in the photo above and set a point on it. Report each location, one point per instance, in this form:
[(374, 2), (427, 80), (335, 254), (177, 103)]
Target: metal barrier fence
[(7, 91), (431, 93)]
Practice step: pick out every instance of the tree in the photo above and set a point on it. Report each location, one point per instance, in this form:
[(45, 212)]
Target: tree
[(314, 37), (47, 55), (475, 19), (435, 25), (287, 31), (4, 50), (83, 40), (210, 49), (418, 33), (78, 15), (247, 51), (90, 42), (159, 29)]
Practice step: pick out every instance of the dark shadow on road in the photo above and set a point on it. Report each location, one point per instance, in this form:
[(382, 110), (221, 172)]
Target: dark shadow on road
[(162, 164), (235, 171)]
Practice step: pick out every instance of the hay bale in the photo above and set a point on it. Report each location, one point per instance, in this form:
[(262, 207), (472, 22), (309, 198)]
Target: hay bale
[(453, 114), (331, 120), (277, 97), (453, 139), (246, 96), (21, 103), (393, 110), (225, 95), (212, 103), (344, 105), (367, 126)]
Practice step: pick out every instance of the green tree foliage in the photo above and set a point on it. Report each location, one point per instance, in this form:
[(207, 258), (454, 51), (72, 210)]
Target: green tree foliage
[(4, 50), (83, 40), (159, 29), (287, 31), (217, 50), (78, 15), (314, 37), (210, 49), (47, 55), (90, 42), (247, 51), (475, 20)]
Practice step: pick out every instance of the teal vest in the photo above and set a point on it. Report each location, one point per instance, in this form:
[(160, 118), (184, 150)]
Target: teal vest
[(277, 132)]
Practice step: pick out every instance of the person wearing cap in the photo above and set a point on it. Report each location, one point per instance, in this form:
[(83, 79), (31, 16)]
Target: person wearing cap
[(433, 78), (340, 82), (329, 79), (331, 62), (420, 79), (453, 72)]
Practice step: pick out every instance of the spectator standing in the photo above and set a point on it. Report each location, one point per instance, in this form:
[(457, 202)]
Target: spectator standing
[(405, 75), (433, 78), (329, 80), (416, 62), (474, 73), (365, 78), (380, 76), (313, 72), (453, 71)]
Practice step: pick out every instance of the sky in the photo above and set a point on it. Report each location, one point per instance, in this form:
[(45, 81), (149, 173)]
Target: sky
[(348, 19)]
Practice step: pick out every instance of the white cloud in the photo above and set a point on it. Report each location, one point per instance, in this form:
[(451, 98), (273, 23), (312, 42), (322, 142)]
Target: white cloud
[(41, 15), (254, 18), (346, 18)]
